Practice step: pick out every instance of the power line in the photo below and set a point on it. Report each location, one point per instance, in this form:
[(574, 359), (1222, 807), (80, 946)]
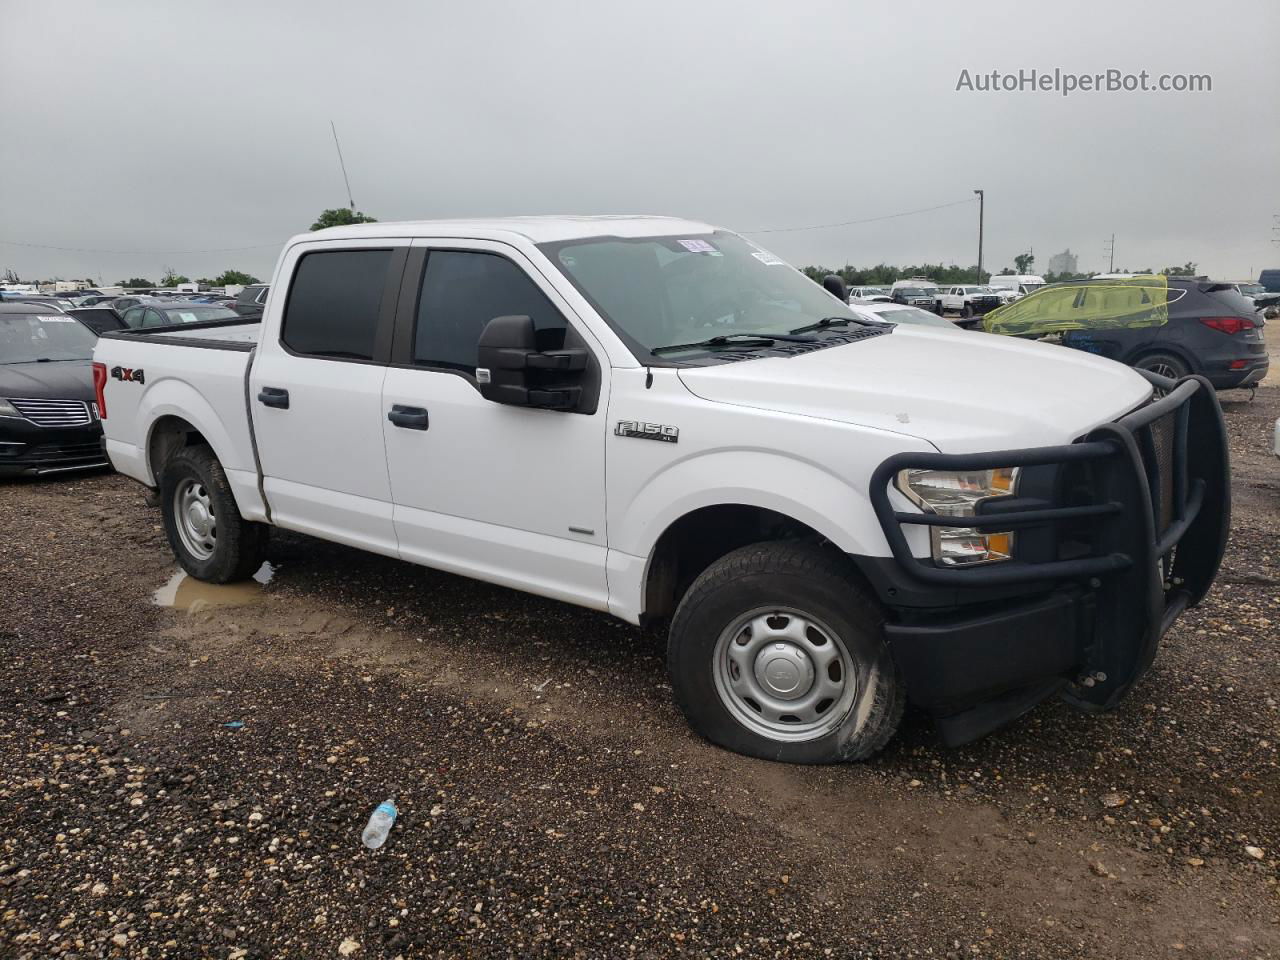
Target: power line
[(850, 223), (140, 253)]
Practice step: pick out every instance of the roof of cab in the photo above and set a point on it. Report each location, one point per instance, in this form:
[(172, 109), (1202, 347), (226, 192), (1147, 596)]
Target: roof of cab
[(537, 229)]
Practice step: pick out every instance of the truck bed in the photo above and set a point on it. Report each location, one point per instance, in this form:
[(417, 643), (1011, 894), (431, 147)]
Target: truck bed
[(213, 334), (195, 373)]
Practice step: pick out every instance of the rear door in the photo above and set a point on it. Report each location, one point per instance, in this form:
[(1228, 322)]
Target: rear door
[(513, 495), (315, 392)]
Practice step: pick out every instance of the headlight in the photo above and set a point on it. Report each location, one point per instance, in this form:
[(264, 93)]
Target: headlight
[(7, 409), (957, 494)]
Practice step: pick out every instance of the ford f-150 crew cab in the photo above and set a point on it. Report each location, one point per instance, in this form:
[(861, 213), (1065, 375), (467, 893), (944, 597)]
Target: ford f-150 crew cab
[(659, 419)]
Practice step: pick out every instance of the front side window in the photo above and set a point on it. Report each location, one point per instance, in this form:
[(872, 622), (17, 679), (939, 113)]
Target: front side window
[(334, 303), (669, 290), (462, 290)]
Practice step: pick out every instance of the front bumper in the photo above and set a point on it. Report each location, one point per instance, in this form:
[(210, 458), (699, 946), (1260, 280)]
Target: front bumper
[(1130, 535), (29, 449)]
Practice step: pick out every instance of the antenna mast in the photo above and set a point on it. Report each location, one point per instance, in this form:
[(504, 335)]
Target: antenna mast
[(342, 163)]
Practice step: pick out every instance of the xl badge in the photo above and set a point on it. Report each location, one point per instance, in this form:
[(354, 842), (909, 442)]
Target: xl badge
[(125, 374), (647, 431)]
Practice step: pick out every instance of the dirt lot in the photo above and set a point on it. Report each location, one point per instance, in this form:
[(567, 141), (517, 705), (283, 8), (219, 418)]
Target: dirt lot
[(553, 801)]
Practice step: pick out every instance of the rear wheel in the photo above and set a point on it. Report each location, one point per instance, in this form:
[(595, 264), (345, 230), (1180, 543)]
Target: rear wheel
[(206, 532), (776, 651), (1164, 364)]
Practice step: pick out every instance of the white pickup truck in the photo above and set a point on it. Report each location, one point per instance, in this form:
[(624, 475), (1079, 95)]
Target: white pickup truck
[(659, 419)]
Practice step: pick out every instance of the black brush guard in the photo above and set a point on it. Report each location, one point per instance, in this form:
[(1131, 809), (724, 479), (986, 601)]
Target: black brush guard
[(1154, 532)]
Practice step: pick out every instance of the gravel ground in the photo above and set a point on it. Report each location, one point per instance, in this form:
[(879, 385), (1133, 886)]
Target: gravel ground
[(553, 802)]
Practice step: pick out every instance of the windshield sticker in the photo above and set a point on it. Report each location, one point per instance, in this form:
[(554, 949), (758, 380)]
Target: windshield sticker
[(187, 317), (698, 246), (768, 259)]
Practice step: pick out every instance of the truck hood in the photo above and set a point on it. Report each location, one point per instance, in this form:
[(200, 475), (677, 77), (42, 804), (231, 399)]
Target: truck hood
[(961, 392)]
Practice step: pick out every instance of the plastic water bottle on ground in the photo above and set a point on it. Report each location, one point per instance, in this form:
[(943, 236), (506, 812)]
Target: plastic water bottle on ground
[(375, 833)]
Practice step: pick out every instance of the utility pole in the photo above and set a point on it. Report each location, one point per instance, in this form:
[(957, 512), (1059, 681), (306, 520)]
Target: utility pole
[(1111, 249), (981, 205)]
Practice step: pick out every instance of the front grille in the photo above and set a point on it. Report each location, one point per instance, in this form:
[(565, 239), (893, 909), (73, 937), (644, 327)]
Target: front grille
[(54, 413), (1161, 465)]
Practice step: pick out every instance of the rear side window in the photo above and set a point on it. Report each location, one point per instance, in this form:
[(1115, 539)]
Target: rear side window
[(461, 292), (334, 303)]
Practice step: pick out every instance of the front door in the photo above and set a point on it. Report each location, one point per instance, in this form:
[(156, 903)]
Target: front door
[(512, 495)]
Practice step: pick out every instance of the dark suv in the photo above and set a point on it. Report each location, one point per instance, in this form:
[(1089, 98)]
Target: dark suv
[(1212, 330), (251, 301)]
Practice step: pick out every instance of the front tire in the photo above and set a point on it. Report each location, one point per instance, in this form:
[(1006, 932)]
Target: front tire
[(206, 532), (776, 651)]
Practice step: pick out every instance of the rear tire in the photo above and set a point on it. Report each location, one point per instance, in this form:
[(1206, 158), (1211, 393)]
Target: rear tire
[(1165, 364), (206, 532), (777, 651)]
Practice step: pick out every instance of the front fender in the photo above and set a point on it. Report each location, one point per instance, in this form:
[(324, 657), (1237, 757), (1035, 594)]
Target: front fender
[(837, 507)]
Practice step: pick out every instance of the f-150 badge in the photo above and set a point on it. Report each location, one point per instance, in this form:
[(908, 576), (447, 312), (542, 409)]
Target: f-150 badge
[(647, 431), (124, 374)]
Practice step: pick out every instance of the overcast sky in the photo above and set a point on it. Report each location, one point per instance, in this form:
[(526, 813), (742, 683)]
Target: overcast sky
[(168, 127)]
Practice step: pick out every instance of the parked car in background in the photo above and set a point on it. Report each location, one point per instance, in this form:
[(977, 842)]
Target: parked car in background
[(1211, 330), (94, 299), (164, 313), (251, 301), (59, 303), (870, 294), (121, 304), (99, 319), (969, 300), (898, 313), (48, 422), (917, 292)]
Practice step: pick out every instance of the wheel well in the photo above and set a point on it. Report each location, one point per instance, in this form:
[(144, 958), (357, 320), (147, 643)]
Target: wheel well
[(699, 539), (1152, 350), (169, 435)]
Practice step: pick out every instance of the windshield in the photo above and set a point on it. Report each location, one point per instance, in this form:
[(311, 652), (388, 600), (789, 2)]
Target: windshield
[(198, 313), (30, 337), (916, 291), (1252, 289), (659, 291)]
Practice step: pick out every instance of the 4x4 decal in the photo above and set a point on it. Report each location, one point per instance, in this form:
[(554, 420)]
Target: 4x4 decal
[(128, 374)]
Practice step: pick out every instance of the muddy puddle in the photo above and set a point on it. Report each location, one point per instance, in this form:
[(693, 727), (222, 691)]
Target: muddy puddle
[(184, 592)]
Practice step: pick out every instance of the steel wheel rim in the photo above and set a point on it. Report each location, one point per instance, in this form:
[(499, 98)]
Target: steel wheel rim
[(784, 674), (194, 518)]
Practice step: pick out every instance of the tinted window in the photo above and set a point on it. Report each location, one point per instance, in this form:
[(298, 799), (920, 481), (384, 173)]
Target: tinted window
[(463, 291), (133, 317), (334, 302)]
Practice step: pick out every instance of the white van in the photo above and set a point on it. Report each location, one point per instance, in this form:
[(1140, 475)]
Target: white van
[(1012, 286)]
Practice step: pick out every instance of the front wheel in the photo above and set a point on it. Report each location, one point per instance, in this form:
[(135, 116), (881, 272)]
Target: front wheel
[(776, 651), (206, 532)]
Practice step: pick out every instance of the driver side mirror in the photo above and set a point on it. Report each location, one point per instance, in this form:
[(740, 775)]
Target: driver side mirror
[(512, 370)]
